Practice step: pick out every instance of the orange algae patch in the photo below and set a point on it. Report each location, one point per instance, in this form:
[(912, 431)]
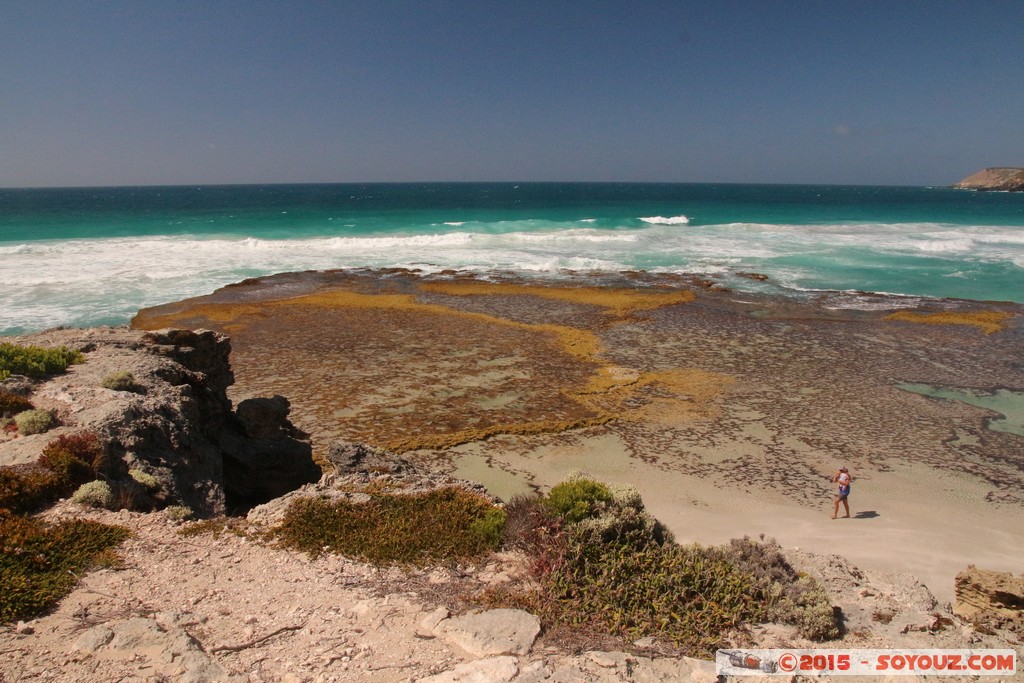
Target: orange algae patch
[(406, 375), (616, 302), (663, 396), (987, 321), (581, 344)]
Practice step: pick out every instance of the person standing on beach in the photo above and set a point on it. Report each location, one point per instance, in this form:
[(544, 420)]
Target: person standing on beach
[(843, 479)]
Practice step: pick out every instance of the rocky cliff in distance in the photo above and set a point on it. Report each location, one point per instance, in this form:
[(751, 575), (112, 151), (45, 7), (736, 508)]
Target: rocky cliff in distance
[(1004, 179)]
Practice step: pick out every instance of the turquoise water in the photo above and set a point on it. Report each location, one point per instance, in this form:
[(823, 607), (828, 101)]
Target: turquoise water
[(87, 256)]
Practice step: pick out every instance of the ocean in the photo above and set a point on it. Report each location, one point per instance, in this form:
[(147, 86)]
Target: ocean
[(90, 256)]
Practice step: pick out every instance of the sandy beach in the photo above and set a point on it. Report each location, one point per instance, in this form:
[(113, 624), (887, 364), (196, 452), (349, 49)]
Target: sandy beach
[(730, 414)]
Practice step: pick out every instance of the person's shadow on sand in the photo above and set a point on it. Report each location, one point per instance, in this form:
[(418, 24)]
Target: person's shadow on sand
[(866, 514)]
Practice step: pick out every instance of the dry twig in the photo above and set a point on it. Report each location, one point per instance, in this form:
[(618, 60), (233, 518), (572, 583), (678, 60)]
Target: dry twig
[(255, 641)]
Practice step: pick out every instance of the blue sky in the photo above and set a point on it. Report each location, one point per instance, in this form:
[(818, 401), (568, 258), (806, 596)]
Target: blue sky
[(113, 93)]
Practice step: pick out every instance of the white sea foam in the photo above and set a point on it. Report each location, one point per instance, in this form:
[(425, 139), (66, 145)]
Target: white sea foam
[(662, 220), (578, 235), (86, 281)]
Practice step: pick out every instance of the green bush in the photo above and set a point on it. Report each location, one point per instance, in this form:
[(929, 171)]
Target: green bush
[(35, 361), (121, 381), (145, 479), (39, 563), (443, 524), (11, 403), (96, 494), (178, 513), (577, 499), (635, 588), (35, 421)]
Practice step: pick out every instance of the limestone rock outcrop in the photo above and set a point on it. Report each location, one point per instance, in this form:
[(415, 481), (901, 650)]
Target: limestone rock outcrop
[(990, 599), (177, 427)]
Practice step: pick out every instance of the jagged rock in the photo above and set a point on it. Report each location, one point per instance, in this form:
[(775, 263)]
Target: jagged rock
[(171, 651), (990, 599), (490, 633), (360, 458), (267, 459), (263, 418), (492, 670)]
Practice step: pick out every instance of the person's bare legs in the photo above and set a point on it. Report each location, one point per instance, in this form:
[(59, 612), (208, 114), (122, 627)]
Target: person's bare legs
[(846, 506), (835, 507)]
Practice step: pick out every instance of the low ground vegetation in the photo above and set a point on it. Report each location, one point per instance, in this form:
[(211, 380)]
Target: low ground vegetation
[(35, 361), (420, 528), (40, 563), (598, 560), (67, 462)]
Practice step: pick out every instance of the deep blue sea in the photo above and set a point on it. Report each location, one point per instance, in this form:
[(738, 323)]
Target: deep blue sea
[(86, 256)]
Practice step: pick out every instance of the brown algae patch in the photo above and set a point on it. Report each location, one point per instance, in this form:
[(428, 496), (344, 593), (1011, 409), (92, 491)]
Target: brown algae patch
[(987, 321), (390, 370), (617, 302)]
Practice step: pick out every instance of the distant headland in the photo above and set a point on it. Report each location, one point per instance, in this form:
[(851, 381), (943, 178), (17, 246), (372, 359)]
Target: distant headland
[(1004, 179)]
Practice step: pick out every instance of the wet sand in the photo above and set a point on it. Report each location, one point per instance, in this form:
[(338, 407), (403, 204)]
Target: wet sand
[(729, 413)]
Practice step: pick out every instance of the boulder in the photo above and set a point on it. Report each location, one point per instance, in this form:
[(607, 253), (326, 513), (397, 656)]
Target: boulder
[(492, 670), (170, 651), (493, 632), (263, 418)]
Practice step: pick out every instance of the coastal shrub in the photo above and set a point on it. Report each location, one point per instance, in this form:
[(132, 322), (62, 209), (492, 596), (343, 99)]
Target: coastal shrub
[(634, 587), (27, 488), (96, 494), (121, 381), (35, 361), (66, 463), (533, 529), (577, 499), (39, 563), (76, 458), (443, 524), (790, 597), (145, 479), (12, 404), (178, 513), (601, 560), (35, 421)]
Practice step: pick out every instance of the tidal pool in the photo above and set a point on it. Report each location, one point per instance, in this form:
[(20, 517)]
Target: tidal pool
[(1009, 404)]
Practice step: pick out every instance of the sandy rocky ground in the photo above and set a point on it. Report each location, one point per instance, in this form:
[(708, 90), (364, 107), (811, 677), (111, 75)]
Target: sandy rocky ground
[(229, 607)]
